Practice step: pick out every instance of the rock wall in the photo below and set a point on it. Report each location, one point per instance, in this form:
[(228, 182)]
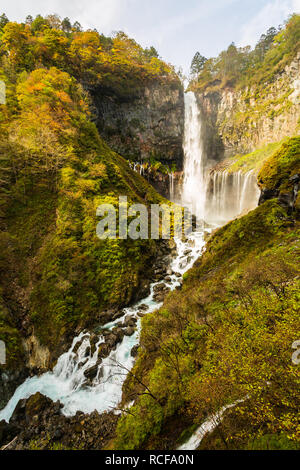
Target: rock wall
[(149, 124), (240, 121)]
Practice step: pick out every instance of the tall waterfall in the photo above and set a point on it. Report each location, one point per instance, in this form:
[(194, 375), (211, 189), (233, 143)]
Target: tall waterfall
[(194, 181), (214, 196)]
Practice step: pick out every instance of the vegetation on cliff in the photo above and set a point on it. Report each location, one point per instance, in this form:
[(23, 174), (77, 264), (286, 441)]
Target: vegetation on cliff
[(55, 170), (226, 336), (251, 97), (118, 63), (241, 66)]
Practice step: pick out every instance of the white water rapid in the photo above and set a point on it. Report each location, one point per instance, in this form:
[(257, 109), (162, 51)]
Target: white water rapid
[(206, 427), (67, 382)]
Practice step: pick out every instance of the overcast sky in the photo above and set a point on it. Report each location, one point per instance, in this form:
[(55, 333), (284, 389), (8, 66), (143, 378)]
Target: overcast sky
[(177, 28)]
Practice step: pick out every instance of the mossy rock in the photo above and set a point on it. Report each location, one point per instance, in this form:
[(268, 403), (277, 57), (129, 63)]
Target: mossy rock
[(283, 164)]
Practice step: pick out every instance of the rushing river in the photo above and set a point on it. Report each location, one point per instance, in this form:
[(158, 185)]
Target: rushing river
[(67, 382)]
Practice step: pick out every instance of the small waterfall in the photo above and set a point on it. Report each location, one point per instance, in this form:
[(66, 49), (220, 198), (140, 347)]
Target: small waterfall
[(171, 187), (229, 195)]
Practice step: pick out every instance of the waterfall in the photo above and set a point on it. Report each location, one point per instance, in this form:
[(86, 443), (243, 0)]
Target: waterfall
[(213, 196), (194, 181), (229, 195), (171, 187)]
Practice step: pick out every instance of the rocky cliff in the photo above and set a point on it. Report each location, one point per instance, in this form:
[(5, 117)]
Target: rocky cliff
[(147, 124), (242, 120)]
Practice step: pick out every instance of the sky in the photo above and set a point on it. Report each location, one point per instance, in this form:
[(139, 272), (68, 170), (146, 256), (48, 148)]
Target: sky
[(176, 28)]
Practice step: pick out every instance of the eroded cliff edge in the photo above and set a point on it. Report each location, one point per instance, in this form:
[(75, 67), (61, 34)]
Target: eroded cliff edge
[(238, 121), (149, 123)]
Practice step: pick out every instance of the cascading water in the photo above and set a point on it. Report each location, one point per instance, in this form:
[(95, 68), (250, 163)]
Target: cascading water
[(214, 197), (68, 383), (230, 194), (194, 187)]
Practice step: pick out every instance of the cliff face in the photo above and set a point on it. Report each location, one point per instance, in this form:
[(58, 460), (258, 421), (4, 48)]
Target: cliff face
[(240, 121), (149, 124)]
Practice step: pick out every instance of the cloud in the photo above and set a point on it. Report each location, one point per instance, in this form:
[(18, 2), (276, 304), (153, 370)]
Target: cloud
[(189, 16), (100, 14), (271, 14)]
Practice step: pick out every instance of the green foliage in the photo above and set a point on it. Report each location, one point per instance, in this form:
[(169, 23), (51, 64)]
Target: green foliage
[(240, 67), (283, 164), (197, 63), (56, 170), (117, 63), (273, 442), (252, 161), (226, 336)]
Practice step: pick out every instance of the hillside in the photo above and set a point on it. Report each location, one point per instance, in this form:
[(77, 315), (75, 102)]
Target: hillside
[(57, 277), (227, 334), (250, 98)]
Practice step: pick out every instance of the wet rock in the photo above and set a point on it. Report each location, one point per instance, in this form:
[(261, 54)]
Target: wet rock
[(141, 314), (143, 307), (187, 252), (106, 332), (129, 331), (267, 194), (91, 373), (134, 350), (118, 333), (143, 290), (168, 279), (294, 179), (111, 341), (286, 200), (160, 287), (177, 274), (45, 427), (129, 320), (103, 351)]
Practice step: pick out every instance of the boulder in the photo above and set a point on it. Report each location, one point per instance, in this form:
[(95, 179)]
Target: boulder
[(129, 331), (134, 350)]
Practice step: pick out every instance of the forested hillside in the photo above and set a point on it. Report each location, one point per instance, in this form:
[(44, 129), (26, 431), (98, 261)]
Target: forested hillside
[(227, 335), (249, 98), (56, 275)]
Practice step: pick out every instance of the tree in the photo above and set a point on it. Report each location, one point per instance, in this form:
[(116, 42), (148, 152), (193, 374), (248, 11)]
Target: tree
[(66, 25), (39, 23), (151, 52), (54, 21), (77, 27), (3, 20), (197, 63), (29, 20)]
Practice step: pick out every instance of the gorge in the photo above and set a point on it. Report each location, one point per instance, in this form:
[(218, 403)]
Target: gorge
[(139, 343), (70, 381)]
